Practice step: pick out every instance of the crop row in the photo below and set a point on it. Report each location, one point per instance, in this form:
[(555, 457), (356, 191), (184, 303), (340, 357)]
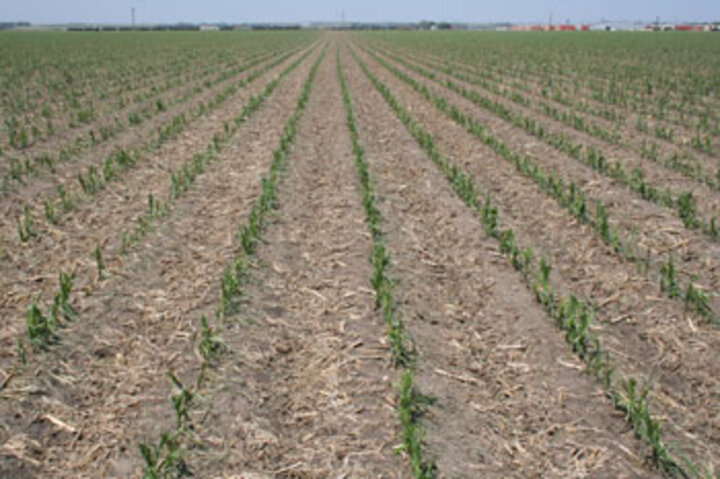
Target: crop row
[(94, 179), (165, 458), (41, 328), (107, 76), (19, 168), (683, 203), (569, 313), (673, 158), (411, 402), (578, 69), (572, 197)]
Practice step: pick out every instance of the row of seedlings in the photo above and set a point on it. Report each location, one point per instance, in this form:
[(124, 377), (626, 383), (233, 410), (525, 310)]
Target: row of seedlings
[(94, 179), (165, 458), (570, 314), (497, 86), (149, 86), (574, 199), (683, 204), (685, 164), (19, 169), (411, 403), (182, 178), (40, 328)]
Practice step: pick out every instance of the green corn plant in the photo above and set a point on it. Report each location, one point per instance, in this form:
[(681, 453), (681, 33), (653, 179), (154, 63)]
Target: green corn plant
[(668, 282), (527, 261), (380, 263), (108, 173), (602, 223), (697, 300), (164, 460), (412, 405), (687, 210), (65, 202), (635, 403), (123, 159), (25, 226), (228, 286), (62, 298), (490, 217), (577, 331), (39, 328), (50, 213), (507, 242), (175, 184), (210, 344), (181, 404)]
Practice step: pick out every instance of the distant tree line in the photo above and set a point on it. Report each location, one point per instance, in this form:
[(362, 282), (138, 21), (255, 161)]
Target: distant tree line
[(176, 27), (9, 25)]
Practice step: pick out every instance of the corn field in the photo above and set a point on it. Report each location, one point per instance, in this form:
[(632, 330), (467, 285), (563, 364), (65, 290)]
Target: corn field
[(360, 254)]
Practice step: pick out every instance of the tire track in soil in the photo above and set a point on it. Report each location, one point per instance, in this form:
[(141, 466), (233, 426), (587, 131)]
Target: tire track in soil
[(652, 226), (308, 391), (649, 336), (107, 378), (511, 398), (68, 246)]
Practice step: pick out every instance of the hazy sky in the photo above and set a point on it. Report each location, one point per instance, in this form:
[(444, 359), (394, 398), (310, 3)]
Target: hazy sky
[(238, 11)]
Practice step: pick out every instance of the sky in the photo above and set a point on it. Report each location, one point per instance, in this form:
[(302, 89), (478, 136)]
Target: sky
[(242, 11)]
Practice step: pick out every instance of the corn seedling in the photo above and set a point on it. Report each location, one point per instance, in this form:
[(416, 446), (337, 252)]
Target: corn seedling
[(210, 344), (687, 210), (228, 286), (38, 326), (411, 406), (65, 202), (668, 283), (164, 460), (697, 300), (63, 297), (50, 213), (25, 226), (181, 404)]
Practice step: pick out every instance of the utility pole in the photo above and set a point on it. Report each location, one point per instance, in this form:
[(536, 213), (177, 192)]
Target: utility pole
[(132, 16)]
